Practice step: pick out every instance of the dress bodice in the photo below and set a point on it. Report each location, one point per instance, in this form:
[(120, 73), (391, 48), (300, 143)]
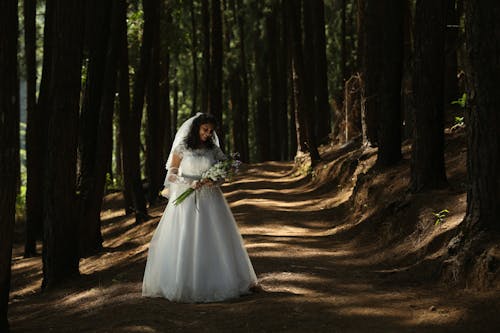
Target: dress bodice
[(196, 161)]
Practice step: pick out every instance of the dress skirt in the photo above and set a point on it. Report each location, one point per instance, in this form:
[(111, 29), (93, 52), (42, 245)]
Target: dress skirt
[(197, 253)]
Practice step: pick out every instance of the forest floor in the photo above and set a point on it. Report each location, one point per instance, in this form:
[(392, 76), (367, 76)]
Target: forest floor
[(346, 249)]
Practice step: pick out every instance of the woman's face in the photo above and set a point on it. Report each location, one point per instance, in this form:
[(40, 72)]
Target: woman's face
[(206, 132)]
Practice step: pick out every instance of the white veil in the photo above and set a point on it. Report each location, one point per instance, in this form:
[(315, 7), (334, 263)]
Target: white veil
[(180, 138)]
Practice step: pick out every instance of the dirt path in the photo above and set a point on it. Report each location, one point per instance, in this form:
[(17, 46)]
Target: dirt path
[(314, 279)]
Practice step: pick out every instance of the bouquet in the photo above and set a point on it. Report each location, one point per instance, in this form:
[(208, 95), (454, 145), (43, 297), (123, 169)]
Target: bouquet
[(222, 170)]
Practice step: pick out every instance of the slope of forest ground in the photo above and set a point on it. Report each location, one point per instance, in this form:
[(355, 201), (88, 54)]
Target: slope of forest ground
[(344, 249)]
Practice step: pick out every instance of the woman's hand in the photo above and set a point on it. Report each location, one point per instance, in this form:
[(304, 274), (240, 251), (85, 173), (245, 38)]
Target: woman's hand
[(203, 182), (208, 183)]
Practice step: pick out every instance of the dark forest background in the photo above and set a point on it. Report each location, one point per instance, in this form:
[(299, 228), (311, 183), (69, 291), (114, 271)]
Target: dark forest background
[(105, 84)]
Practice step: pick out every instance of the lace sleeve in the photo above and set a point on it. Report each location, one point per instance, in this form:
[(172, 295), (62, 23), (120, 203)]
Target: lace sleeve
[(179, 150), (174, 178)]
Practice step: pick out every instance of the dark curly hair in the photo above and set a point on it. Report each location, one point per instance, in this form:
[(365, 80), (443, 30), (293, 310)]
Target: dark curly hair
[(193, 139)]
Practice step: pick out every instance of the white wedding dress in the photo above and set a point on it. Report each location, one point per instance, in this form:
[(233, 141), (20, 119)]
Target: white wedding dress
[(197, 253)]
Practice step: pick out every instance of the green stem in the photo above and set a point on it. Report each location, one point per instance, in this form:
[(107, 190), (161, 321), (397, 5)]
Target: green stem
[(183, 196)]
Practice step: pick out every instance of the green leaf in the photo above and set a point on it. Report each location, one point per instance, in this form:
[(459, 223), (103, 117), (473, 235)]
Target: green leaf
[(461, 101)]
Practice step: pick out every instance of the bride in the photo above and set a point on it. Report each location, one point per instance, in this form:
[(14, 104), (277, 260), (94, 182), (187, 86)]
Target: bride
[(197, 253)]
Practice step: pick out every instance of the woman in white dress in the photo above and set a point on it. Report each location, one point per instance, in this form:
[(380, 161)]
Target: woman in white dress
[(197, 253)]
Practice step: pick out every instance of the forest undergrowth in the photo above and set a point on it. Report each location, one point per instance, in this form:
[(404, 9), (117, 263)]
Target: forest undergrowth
[(411, 234), (344, 247)]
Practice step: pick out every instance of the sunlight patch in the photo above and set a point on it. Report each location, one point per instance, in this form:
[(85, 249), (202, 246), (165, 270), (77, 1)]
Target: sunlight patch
[(289, 282)]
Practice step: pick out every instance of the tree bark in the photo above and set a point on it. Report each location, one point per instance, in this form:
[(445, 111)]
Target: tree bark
[(194, 50), (124, 109), (360, 30), (292, 130), (373, 14), (165, 109), (9, 147), (140, 82), (243, 148), (292, 135), (34, 137), (304, 140), (63, 35), (389, 87), (98, 32), (322, 106), (482, 31), (234, 78), (117, 141), (275, 91), (206, 77), (309, 58), (351, 12), (165, 102), (469, 261), (451, 92), (407, 84), (106, 112), (343, 51), (155, 126), (216, 67), (283, 55), (261, 56), (175, 108), (428, 170)]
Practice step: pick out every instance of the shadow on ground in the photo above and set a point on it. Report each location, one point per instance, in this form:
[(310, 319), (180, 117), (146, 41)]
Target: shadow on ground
[(317, 275)]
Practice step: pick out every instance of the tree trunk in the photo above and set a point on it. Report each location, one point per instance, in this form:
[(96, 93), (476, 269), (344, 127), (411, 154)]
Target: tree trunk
[(282, 57), (216, 67), (373, 14), (165, 102), (407, 84), (140, 81), (155, 126), (34, 137), (309, 58), (165, 108), (262, 126), (471, 261), (234, 86), (316, 69), (175, 109), (292, 133), (234, 78), (124, 109), (194, 50), (389, 87), (351, 40), (428, 170), (343, 51), (105, 128), (292, 129), (243, 143), (360, 30), (451, 92), (320, 80), (482, 31), (275, 91), (302, 121), (117, 143), (9, 147), (98, 32), (63, 35), (206, 79)]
